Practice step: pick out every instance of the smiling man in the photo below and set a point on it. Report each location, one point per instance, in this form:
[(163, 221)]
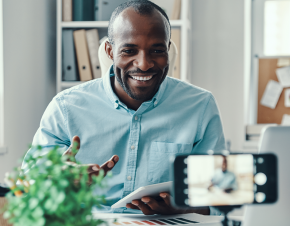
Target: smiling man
[(135, 113)]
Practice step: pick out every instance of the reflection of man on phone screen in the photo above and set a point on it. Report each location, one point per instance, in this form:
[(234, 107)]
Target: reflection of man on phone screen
[(224, 179)]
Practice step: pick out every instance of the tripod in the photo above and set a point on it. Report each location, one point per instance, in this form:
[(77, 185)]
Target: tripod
[(225, 210)]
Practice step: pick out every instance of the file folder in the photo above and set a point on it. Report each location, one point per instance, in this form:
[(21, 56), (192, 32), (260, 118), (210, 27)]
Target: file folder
[(93, 46), (66, 10), (105, 8), (83, 10), (82, 53), (69, 64)]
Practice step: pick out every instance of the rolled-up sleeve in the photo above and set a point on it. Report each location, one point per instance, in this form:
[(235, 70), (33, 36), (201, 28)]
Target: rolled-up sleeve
[(210, 133), (52, 130)]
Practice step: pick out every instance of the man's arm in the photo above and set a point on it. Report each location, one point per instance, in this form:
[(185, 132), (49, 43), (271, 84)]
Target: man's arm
[(210, 133), (53, 130)]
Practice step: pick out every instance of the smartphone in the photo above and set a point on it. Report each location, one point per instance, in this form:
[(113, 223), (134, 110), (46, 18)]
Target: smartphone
[(218, 180)]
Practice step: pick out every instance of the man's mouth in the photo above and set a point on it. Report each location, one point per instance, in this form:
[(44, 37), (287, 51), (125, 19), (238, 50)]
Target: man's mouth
[(142, 78)]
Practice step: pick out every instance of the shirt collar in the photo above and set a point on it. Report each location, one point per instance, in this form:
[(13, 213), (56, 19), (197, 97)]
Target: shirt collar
[(115, 100)]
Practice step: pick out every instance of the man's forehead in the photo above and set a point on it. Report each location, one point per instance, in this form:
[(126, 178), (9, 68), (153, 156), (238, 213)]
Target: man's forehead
[(130, 24)]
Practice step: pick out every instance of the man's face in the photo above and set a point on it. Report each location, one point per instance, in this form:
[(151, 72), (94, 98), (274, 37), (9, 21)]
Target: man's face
[(140, 53)]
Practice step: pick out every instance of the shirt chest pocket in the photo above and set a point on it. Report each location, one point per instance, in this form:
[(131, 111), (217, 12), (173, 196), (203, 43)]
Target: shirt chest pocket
[(159, 156)]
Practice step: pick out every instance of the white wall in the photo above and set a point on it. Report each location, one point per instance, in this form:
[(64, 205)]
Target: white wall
[(29, 72), (218, 59)]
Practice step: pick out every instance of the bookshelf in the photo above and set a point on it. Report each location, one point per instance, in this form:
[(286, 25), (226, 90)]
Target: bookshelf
[(183, 24)]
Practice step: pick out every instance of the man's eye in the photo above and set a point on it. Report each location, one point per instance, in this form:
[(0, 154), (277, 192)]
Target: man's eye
[(128, 51), (158, 51)]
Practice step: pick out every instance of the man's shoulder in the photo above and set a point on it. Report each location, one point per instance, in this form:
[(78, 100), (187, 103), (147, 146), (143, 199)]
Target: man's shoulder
[(186, 90), (93, 87)]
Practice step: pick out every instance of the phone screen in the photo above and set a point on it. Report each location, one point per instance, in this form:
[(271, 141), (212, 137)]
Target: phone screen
[(217, 180)]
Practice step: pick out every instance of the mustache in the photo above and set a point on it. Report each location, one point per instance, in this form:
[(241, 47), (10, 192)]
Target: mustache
[(139, 71)]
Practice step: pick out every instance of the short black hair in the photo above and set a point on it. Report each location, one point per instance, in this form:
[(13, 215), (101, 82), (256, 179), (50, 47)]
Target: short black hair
[(143, 7)]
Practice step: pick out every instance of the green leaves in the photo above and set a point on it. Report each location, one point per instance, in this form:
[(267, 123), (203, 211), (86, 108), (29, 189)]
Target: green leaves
[(59, 194)]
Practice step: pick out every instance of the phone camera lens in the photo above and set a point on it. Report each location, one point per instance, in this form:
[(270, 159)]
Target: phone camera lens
[(260, 160), (260, 197), (260, 178)]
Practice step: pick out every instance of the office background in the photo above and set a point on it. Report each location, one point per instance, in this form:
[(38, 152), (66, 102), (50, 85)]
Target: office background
[(217, 53)]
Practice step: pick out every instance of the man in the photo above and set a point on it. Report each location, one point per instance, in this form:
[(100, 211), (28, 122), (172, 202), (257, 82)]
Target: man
[(224, 179), (135, 113)]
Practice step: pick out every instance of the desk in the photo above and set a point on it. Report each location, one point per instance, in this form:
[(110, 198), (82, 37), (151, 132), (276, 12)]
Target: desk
[(142, 220)]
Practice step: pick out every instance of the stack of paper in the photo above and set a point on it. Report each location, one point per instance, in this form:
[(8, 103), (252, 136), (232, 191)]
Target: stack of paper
[(142, 220)]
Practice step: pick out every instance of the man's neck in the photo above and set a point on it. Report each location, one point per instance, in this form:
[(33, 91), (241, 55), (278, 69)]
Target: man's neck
[(123, 96)]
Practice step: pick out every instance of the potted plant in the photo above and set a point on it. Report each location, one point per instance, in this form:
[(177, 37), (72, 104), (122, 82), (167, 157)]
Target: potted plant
[(52, 192)]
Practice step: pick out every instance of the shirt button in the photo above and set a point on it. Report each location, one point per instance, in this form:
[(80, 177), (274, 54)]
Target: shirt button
[(129, 178), (116, 105), (136, 118), (155, 103), (132, 147)]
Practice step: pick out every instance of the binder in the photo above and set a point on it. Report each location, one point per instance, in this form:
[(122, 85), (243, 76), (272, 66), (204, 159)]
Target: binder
[(105, 8), (69, 70), (83, 10), (66, 10), (175, 37), (82, 55), (93, 46), (176, 10)]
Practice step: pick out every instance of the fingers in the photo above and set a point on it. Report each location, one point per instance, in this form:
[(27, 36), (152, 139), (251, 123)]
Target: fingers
[(166, 197), (153, 204), (143, 207), (107, 166), (75, 144), (93, 168), (131, 206)]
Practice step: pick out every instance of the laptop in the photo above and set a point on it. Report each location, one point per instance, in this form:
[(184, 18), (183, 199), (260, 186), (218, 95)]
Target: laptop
[(275, 139)]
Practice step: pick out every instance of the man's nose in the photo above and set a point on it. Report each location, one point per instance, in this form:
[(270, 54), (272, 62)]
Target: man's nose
[(143, 61)]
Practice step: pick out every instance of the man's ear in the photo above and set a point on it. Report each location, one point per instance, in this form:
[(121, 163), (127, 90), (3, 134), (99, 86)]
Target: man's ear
[(109, 49)]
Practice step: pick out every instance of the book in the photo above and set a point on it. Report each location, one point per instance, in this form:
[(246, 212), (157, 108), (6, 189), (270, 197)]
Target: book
[(82, 53), (104, 8), (93, 46), (69, 64), (83, 10), (66, 10), (175, 37)]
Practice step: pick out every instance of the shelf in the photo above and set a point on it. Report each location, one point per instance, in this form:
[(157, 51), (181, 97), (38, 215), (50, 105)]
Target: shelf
[(104, 24), (70, 84)]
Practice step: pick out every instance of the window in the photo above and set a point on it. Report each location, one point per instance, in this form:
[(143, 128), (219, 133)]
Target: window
[(1, 79), (277, 28)]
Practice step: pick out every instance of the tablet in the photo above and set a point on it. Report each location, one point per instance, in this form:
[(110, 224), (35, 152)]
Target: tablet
[(150, 190)]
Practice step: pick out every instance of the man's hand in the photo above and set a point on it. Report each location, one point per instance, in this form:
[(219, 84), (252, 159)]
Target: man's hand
[(150, 206), (93, 169)]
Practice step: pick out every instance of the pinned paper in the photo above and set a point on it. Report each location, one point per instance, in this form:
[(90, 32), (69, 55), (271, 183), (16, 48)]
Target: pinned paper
[(285, 120), (287, 98), (283, 75), (271, 95), (283, 62)]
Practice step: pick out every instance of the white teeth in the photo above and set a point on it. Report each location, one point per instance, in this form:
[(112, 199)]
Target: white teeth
[(142, 78)]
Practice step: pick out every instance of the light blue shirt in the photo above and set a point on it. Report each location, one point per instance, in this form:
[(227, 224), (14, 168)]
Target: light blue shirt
[(225, 180), (180, 118)]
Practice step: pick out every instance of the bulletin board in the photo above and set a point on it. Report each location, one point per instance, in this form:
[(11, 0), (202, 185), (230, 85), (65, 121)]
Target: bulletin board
[(267, 71)]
